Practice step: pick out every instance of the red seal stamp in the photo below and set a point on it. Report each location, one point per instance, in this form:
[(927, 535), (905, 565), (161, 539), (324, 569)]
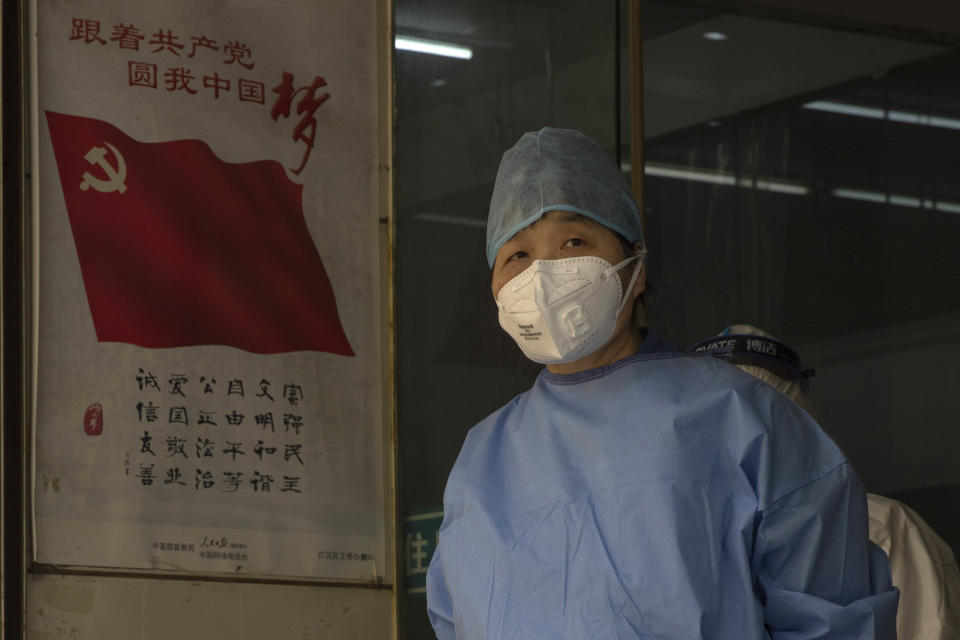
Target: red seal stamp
[(93, 420)]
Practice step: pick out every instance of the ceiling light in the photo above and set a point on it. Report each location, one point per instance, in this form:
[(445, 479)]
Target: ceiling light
[(666, 171), (716, 36), (433, 47), (896, 199), (727, 179), (860, 194), (444, 218), (876, 113), (950, 207), (846, 109)]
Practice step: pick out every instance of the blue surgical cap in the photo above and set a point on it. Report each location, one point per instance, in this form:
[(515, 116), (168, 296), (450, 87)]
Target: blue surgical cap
[(558, 169)]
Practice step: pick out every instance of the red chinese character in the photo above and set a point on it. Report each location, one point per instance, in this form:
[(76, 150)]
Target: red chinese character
[(142, 74), (128, 37), (165, 41), (250, 91), (306, 128), (285, 93), (86, 30), (178, 79), (237, 50), (216, 83), (201, 41)]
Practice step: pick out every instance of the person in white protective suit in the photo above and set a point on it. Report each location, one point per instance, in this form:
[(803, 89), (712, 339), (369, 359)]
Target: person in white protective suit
[(635, 492), (924, 568)]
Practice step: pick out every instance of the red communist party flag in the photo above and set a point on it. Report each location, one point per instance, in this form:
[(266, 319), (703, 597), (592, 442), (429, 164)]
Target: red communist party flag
[(179, 248)]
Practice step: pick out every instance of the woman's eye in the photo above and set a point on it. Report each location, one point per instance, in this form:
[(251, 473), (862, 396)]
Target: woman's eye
[(519, 255), (573, 242)]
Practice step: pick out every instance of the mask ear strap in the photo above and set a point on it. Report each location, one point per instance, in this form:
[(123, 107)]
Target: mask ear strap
[(633, 279)]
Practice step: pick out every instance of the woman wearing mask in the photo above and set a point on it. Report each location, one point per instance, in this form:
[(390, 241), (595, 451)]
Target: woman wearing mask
[(634, 492)]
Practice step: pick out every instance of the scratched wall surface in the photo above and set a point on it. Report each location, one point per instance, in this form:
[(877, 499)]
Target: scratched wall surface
[(114, 608)]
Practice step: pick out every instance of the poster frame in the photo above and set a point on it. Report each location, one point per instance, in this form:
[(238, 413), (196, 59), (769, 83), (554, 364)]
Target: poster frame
[(29, 306)]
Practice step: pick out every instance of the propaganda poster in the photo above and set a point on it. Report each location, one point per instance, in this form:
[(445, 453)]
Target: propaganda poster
[(209, 358)]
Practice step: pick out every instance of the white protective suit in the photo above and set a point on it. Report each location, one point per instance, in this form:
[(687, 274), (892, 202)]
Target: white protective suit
[(923, 568)]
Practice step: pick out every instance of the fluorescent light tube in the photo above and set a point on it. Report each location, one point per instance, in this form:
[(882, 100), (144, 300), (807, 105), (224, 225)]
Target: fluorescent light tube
[(433, 47), (860, 194), (912, 202), (876, 113), (716, 36), (444, 218), (846, 109), (714, 177)]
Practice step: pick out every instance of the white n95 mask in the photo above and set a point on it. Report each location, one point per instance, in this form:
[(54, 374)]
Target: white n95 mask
[(562, 310)]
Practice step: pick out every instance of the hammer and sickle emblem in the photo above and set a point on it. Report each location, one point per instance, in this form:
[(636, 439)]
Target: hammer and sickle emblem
[(115, 175)]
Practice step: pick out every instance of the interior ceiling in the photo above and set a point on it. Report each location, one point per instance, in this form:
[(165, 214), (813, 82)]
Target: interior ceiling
[(930, 20), (687, 79), (510, 41)]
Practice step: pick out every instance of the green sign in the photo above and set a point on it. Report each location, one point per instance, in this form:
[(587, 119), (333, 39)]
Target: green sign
[(421, 533)]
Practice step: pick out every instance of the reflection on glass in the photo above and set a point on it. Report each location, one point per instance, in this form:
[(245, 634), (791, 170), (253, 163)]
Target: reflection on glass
[(806, 186)]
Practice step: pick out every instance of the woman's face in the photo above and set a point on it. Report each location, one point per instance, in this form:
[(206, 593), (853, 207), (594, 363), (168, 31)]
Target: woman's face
[(558, 235)]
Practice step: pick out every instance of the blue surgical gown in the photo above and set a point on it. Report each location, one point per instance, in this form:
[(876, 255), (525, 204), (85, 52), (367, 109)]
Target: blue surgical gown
[(662, 496)]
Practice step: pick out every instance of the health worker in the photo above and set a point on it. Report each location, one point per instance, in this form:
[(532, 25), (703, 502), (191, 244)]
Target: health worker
[(635, 492), (922, 565)]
